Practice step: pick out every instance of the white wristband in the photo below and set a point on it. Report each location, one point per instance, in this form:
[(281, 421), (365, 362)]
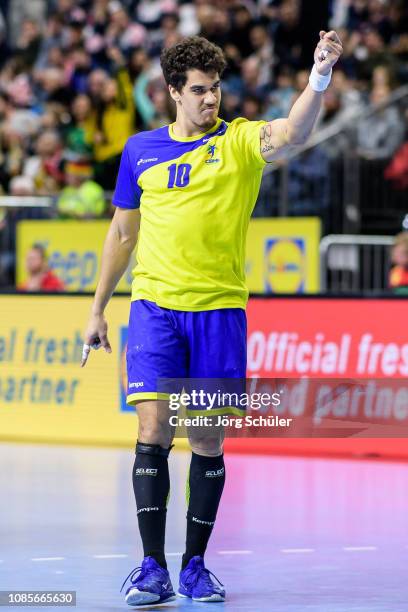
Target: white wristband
[(319, 82)]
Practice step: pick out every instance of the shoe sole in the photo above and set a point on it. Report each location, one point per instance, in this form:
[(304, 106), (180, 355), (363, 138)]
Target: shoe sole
[(212, 598), (144, 598)]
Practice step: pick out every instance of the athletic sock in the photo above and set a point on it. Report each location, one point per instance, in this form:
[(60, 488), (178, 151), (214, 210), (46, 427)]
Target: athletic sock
[(204, 489), (151, 485)]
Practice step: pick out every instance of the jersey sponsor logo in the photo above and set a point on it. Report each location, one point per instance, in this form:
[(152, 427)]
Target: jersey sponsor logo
[(146, 161), (211, 159), (214, 473), (146, 472), (136, 385)]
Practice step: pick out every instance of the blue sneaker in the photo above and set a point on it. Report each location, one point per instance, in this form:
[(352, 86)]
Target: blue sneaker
[(195, 582), (149, 584)]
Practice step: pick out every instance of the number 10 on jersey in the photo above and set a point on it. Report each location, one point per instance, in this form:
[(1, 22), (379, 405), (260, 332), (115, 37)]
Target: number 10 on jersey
[(179, 175)]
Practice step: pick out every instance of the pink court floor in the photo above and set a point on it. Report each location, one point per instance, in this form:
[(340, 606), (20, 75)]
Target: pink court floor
[(292, 534)]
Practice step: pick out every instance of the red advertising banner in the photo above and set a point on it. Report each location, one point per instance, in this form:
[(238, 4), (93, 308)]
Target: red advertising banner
[(329, 338)]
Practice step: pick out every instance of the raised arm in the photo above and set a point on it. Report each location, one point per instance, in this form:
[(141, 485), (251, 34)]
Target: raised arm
[(279, 137), (118, 247)]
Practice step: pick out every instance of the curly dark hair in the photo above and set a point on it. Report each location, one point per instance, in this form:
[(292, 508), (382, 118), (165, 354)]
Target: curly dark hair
[(193, 52)]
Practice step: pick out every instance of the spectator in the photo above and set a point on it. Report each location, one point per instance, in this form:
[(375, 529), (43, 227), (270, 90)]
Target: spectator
[(252, 107), (351, 99), (263, 50), (308, 191), (80, 69), (40, 277), (251, 77), (96, 83), (15, 81), (121, 31), (81, 198), (239, 35), (11, 155), (358, 14), (301, 81), (144, 74), (376, 53), (331, 106), (280, 99), (45, 168), (398, 279), (149, 13), (189, 25), (163, 107), (230, 104), (63, 8), (52, 38), (73, 35), (214, 24), (115, 123), (397, 169), (289, 34), (382, 76), (79, 135), (380, 134), (52, 87), (29, 43), (167, 32)]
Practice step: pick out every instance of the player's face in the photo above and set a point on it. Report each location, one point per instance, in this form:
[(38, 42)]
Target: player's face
[(199, 100)]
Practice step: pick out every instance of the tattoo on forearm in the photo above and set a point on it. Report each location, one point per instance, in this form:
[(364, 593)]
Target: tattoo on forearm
[(266, 133), (267, 148), (266, 137)]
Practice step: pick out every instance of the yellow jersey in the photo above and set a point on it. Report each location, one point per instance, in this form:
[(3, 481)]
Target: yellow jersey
[(196, 196)]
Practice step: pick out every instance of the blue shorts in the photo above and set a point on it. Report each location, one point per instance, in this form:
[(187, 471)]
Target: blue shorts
[(173, 344)]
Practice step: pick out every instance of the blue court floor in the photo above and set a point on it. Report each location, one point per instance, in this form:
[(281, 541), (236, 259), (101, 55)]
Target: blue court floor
[(293, 535)]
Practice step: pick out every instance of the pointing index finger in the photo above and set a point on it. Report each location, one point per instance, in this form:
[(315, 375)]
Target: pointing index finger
[(85, 352)]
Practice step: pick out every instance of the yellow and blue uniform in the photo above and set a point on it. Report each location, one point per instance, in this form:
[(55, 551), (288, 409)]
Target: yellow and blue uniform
[(196, 196)]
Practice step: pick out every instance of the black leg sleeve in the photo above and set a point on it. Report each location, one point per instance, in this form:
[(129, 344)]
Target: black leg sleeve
[(205, 485), (151, 484)]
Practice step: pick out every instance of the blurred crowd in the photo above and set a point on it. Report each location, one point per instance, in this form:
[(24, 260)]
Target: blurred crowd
[(76, 82)]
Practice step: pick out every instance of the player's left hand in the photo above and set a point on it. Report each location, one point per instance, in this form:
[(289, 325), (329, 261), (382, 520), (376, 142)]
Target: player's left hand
[(96, 336), (327, 51), (86, 349)]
